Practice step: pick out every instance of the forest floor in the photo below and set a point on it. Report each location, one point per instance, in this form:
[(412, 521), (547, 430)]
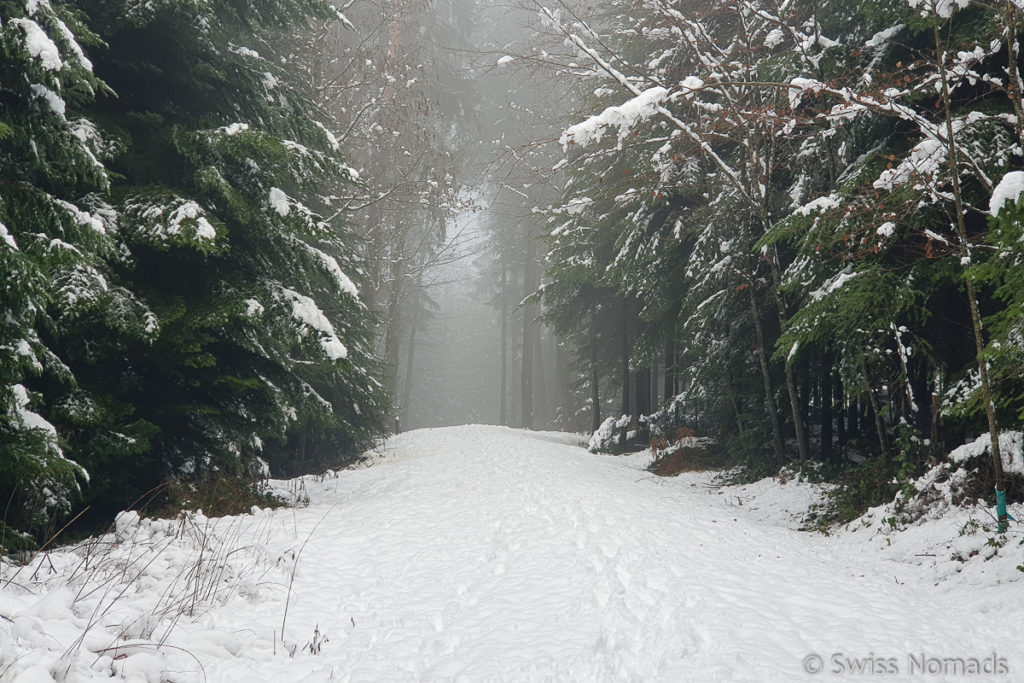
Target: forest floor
[(489, 554)]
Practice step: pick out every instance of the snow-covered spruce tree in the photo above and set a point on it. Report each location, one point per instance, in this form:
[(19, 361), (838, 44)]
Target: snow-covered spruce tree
[(585, 299), (580, 303), (56, 233), (843, 158), (849, 328), (706, 144), (264, 349), (914, 209)]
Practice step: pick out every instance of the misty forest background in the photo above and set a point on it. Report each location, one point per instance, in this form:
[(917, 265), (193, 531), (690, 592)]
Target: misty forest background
[(241, 239)]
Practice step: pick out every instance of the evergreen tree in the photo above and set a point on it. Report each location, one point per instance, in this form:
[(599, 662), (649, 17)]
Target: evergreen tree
[(264, 349), (57, 234), (804, 192), (174, 302)]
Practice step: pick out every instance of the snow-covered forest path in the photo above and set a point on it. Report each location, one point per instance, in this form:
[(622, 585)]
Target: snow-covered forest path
[(481, 553), (488, 554)]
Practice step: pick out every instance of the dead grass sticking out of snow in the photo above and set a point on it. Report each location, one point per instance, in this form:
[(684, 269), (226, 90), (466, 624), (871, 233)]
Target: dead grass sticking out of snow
[(110, 603)]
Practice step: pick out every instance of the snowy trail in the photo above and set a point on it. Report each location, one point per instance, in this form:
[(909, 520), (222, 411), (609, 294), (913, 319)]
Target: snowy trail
[(481, 553), (486, 553)]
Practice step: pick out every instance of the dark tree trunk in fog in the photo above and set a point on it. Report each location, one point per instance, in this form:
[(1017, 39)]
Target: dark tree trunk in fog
[(807, 387), (407, 388), (852, 412), (790, 373), (839, 399), (769, 399), (595, 377), (919, 398), (531, 278), (393, 319), (540, 388), (503, 416), (654, 386), (670, 365), (826, 405), (883, 442), (626, 384), (643, 394), (563, 377), (624, 350)]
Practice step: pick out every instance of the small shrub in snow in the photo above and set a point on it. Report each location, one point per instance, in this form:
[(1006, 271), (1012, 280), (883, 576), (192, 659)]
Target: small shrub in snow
[(962, 483), (888, 478), (604, 439), (217, 496)]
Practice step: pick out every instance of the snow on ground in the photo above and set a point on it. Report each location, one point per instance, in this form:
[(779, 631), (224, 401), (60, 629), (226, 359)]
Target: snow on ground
[(488, 554)]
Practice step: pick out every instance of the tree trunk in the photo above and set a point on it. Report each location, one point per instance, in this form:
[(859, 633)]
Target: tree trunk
[(563, 382), (769, 399), (540, 416), (393, 332), (624, 357), (595, 377), (654, 386), (842, 430), (643, 392), (794, 403), (1014, 86), (407, 380), (876, 409), (805, 396), (826, 405), (853, 428), (643, 396), (776, 290), (670, 365), (972, 299), (503, 411), (530, 284)]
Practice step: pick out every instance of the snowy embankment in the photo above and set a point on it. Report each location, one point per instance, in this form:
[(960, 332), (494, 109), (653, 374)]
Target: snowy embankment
[(482, 553)]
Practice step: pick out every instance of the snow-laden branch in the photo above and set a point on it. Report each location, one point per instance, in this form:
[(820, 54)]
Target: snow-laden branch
[(624, 117)]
